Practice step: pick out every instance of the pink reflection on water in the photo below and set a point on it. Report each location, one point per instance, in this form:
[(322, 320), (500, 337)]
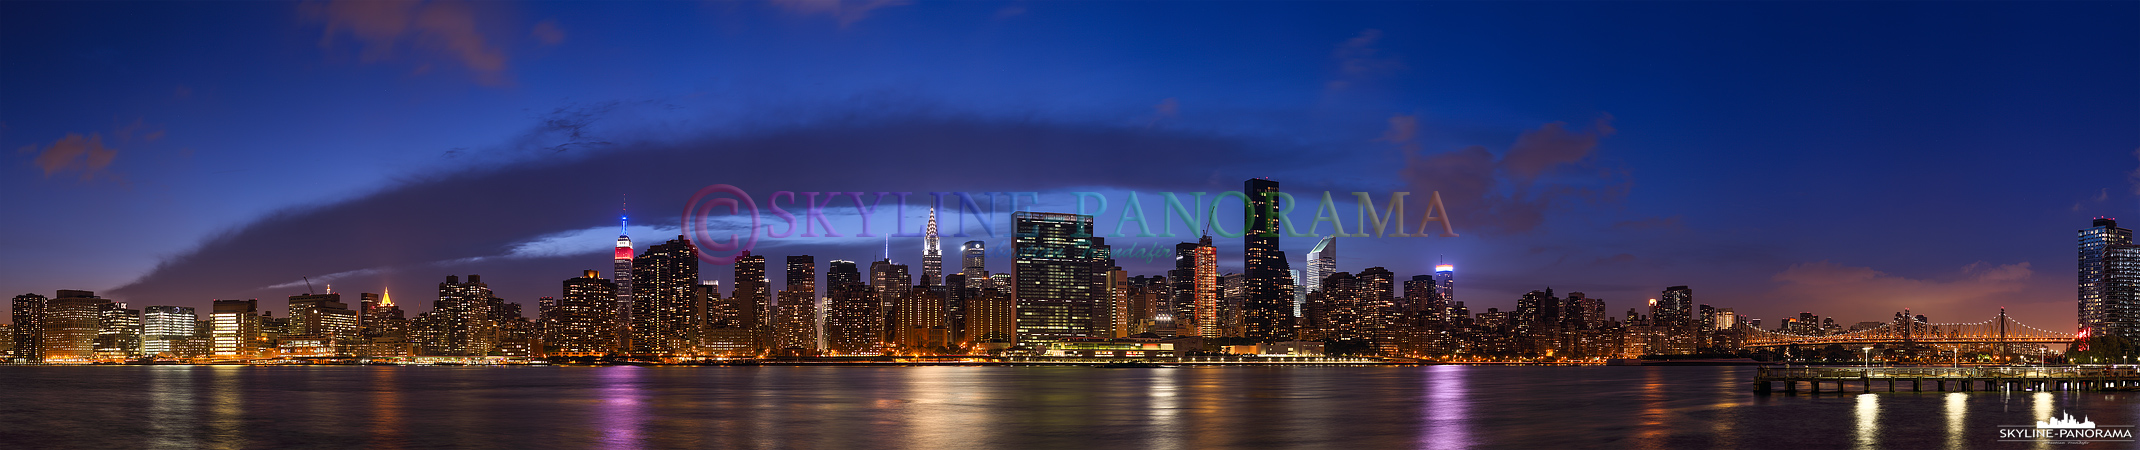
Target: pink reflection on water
[(622, 407), (1447, 425)]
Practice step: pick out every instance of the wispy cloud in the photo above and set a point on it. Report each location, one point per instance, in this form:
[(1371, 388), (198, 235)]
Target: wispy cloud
[(1511, 192), (847, 12), (1361, 58), (447, 30)]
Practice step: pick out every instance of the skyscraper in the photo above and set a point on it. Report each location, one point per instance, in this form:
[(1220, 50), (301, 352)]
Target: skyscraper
[(386, 326), (461, 323), (1445, 287), (753, 291), (890, 282), (932, 254), (2107, 308), (118, 332), (323, 317), (622, 272), (798, 305), (582, 321), (855, 323), (1206, 289), (665, 311), (71, 323), (974, 255), (1051, 268), (1267, 305), (236, 333), (166, 330), (29, 331), (1322, 261)]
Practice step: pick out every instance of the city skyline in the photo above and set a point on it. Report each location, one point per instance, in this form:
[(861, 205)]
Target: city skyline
[(1610, 156)]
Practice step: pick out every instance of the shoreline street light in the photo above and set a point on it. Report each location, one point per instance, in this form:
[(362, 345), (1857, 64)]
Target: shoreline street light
[(1868, 356)]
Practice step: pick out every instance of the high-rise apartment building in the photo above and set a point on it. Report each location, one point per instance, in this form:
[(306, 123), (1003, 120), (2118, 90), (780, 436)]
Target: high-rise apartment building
[(2108, 305), (582, 321), (28, 314), (665, 314)]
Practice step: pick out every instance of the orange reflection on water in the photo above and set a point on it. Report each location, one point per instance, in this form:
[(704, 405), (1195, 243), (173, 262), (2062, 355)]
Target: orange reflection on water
[(387, 431)]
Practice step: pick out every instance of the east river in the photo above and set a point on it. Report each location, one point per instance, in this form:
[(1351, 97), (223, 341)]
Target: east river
[(1435, 407)]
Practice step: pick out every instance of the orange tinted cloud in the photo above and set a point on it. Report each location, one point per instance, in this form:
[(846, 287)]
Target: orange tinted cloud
[(74, 152), (449, 29)]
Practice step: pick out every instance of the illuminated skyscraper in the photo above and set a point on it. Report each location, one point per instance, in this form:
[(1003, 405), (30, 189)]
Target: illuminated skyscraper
[(1267, 307), (1206, 285), (1322, 261), (236, 334), (461, 322), (975, 258), (582, 321), (932, 254), (71, 323), (166, 330), (323, 317), (385, 326), (855, 323), (2108, 306), (1051, 269), (665, 311), (29, 331), (118, 332), (622, 273), (798, 305), (1445, 287), (753, 297), (890, 282)]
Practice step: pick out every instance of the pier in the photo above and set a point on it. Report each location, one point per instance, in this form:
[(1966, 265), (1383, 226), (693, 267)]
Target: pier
[(1943, 379)]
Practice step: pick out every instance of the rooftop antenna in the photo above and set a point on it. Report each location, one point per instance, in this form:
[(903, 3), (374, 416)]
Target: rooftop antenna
[(624, 216), (887, 247)]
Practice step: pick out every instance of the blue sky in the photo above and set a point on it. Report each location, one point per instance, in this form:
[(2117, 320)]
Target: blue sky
[(1844, 158)]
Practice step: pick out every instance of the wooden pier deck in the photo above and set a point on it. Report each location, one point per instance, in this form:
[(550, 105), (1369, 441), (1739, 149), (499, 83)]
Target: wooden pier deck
[(1942, 379)]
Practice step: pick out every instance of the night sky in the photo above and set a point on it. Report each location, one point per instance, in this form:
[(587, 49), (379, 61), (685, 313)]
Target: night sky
[(1847, 159)]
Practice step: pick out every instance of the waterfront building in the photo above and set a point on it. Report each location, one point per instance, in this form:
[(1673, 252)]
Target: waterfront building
[(236, 333), (167, 331), (889, 282), (72, 321), (1051, 270), (665, 310), (28, 313), (118, 332), (1204, 284), (582, 320), (325, 318), (463, 321), (2109, 280), (385, 327), (920, 322), (851, 327), (752, 297), (991, 319), (797, 330), (1267, 304)]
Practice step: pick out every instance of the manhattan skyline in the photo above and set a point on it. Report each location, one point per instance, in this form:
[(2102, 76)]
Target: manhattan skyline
[(1818, 159)]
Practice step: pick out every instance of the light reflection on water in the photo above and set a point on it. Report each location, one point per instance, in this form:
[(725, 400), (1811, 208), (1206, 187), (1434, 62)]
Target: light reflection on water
[(1868, 414), (1436, 407)]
